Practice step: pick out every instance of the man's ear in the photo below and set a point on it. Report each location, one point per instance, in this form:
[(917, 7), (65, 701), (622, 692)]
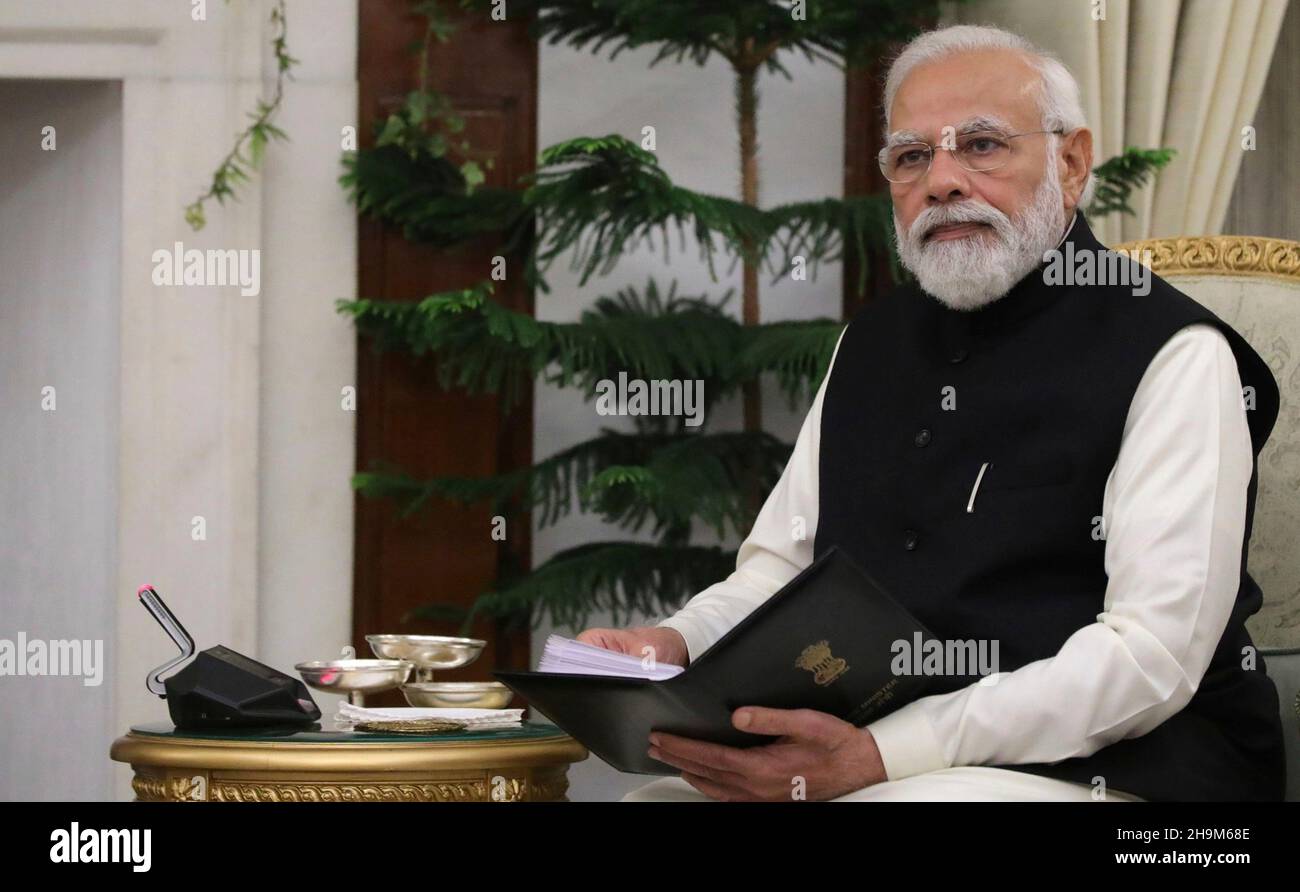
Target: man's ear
[(1076, 156)]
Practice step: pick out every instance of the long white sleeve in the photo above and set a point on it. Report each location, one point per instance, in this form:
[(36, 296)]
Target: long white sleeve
[(778, 547), (1174, 517)]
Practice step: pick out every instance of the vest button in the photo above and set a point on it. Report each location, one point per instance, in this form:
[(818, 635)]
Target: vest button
[(909, 540), (922, 437), (958, 355)]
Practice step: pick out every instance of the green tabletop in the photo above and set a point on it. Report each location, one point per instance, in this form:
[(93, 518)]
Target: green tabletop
[(316, 734)]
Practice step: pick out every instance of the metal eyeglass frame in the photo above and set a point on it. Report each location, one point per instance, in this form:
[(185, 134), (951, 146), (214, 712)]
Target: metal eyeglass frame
[(880, 156)]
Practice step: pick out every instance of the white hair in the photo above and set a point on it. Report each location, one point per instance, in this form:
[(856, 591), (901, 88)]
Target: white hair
[(1058, 98)]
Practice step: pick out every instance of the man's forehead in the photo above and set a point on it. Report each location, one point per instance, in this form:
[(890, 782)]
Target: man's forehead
[(997, 84), (976, 123)]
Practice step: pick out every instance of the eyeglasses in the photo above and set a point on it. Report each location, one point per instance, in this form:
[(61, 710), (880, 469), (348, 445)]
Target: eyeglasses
[(978, 152)]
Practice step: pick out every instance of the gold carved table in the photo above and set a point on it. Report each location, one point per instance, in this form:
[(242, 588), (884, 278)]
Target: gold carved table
[(525, 764)]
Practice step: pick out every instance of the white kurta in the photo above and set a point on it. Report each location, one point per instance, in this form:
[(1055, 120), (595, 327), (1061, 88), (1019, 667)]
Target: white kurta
[(961, 784), (1174, 519)]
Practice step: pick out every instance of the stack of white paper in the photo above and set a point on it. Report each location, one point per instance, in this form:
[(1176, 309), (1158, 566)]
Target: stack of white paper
[(567, 655), (473, 719)]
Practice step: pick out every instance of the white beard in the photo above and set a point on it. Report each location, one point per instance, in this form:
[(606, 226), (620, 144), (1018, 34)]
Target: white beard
[(967, 273)]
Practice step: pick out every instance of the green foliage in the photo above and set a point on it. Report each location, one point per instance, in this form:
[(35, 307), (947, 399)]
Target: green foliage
[(797, 352), (624, 578), (667, 479), (744, 32), (479, 346), (696, 476), (250, 144), (818, 231), (428, 198), (1121, 175), (411, 494), (597, 199), (408, 179), (426, 125), (601, 197), (482, 347), (547, 487)]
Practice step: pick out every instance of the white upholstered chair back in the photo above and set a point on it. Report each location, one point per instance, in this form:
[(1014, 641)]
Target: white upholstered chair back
[(1253, 284)]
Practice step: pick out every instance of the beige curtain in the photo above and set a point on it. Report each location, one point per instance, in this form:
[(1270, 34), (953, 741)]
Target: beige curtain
[(1183, 74)]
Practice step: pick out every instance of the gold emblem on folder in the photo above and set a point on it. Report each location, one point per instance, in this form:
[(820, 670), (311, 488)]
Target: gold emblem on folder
[(818, 659)]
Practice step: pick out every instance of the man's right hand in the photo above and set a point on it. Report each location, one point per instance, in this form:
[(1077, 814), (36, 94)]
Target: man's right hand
[(668, 644)]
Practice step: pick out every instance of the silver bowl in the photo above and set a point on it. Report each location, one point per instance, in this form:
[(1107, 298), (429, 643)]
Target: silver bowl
[(427, 652), (458, 694), (356, 678)]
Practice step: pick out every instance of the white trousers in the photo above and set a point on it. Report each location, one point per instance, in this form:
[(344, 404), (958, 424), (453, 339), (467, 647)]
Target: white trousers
[(964, 784)]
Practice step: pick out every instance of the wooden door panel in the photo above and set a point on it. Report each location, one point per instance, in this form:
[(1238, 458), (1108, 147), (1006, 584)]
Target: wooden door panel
[(444, 553)]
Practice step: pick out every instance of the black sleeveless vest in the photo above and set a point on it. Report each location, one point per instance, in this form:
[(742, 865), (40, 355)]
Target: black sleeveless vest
[(1043, 378)]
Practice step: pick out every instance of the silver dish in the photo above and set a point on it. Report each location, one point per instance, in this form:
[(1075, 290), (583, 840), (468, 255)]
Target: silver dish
[(356, 678), (458, 694), (427, 652)]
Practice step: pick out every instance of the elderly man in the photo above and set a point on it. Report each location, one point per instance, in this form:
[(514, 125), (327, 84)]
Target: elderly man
[(1021, 454)]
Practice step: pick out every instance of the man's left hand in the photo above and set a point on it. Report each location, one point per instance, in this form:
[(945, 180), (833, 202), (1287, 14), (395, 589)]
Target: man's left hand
[(816, 756)]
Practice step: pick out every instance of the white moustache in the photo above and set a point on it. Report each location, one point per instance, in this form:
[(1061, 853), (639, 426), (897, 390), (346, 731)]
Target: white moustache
[(933, 218)]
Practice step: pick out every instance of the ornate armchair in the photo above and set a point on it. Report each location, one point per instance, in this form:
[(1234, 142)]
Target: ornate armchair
[(1253, 284)]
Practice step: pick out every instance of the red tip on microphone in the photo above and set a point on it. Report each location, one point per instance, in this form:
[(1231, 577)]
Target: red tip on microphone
[(139, 593)]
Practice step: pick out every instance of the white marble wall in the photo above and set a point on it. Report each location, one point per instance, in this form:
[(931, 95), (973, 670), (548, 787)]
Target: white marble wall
[(228, 405), (59, 303)]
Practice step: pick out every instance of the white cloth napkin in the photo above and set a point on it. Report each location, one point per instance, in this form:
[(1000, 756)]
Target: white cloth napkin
[(473, 719)]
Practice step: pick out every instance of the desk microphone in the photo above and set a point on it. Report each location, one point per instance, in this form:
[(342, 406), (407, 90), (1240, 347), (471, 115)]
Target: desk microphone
[(222, 688)]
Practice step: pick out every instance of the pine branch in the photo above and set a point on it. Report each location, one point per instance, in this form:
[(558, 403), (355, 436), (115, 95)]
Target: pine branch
[(628, 479), (692, 476), (798, 352), (623, 578), (547, 488), (411, 494), (601, 197), (834, 31), (597, 197), (1120, 176), (812, 232), (480, 346)]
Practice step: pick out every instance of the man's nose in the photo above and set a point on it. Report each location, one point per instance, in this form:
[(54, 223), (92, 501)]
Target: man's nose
[(946, 180)]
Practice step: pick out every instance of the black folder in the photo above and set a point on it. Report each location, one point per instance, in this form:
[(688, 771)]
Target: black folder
[(825, 641)]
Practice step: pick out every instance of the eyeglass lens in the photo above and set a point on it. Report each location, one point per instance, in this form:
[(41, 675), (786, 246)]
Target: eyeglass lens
[(975, 151)]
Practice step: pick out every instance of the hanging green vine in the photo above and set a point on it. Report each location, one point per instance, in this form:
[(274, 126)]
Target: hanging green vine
[(250, 144)]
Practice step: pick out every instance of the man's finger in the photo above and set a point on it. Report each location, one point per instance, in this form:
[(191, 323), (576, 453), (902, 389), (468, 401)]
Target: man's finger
[(714, 755), (805, 724), (713, 790), (717, 775), (609, 639)]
